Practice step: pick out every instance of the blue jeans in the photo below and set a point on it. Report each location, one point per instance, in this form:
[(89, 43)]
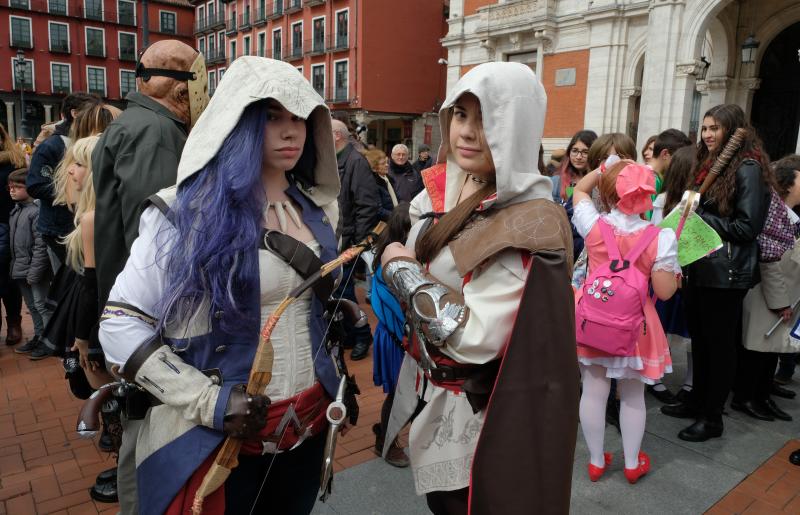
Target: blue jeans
[(35, 296)]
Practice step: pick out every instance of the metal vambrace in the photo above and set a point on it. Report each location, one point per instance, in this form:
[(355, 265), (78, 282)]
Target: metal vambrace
[(159, 371), (437, 310)]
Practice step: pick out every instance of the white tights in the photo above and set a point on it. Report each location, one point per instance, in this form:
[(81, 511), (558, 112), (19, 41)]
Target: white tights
[(632, 414)]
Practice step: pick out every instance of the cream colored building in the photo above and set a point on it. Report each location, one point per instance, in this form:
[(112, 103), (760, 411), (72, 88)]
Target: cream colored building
[(640, 66)]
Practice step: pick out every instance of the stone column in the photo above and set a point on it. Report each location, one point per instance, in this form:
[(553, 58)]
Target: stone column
[(607, 48), (12, 127), (667, 85), (48, 113), (714, 91)]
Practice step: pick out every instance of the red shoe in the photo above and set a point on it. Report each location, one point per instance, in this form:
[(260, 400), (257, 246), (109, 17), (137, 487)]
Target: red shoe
[(595, 472), (633, 475)]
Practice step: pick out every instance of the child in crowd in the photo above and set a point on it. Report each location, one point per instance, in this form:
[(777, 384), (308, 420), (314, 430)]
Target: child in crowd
[(30, 265), (625, 192), (672, 312), (389, 333)]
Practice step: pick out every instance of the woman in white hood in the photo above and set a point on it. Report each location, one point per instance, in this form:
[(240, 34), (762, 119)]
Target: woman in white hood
[(487, 287), (257, 176)]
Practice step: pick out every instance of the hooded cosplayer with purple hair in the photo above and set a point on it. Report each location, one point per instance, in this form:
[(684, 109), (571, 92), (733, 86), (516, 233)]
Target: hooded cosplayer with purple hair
[(183, 318)]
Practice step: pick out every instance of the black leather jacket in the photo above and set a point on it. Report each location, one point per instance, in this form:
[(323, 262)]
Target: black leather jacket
[(735, 265)]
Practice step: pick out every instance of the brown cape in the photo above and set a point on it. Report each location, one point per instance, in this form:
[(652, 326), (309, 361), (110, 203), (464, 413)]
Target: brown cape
[(523, 461)]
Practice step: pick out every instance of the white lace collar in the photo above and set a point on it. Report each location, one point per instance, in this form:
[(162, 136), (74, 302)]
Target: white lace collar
[(623, 223)]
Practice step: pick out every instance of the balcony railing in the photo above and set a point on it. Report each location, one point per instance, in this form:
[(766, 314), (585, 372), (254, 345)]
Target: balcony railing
[(209, 23), (314, 2), (230, 27), (260, 17), (94, 13), (127, 19), (27, 85), (244, 22), (215, 56), (292, 6), (275, 10), (315, 46), (338, 42), (20, 4), (294, 52), (101, 92), (57, 7), (339, 95), (276, 53), (21, 41), (60, 47)]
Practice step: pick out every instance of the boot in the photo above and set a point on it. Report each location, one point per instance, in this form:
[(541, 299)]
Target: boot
[(396, 455), (14, 334)]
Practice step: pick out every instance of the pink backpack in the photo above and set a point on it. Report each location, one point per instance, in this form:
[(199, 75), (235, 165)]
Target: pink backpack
[(610, 314)]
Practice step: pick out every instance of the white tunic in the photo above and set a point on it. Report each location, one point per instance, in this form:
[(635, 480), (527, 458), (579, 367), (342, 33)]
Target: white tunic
[(444, 435)]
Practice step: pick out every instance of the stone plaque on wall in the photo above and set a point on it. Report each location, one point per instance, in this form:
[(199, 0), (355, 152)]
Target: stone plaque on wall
[(565, 77)]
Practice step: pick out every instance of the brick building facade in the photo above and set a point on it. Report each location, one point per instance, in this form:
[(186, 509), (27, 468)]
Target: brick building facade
[(375, 60), (77, 45)]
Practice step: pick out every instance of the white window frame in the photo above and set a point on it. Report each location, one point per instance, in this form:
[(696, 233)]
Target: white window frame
[(30, 28), (335, 33), (86, 42), (105, 78), (102, 10), (246, 45), (324, 76), (201, 43), (14, 72), (272, 43), (175, 14), (121, 71), (324, 30), (200, 15), (302, 34), (213, 7), (135, 20), (258, 38), (69, 72), (216, 83), (333, 77), (66, 8), (231, 54), (220, 74), (135, 42), (50, 41)]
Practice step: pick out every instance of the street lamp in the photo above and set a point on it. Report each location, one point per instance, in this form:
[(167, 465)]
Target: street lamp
[(20, 65), (749, 48)]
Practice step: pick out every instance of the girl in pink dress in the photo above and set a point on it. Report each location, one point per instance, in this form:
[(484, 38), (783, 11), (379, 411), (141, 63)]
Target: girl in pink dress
[(625, 190)]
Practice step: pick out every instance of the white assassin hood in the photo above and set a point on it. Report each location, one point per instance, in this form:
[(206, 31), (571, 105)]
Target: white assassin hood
[(252, 79), (513, 105)]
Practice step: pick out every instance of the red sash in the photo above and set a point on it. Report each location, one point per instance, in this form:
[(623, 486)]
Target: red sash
[(309, 407)]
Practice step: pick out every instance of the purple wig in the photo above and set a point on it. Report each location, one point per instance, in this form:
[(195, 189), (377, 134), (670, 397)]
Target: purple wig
[(217, 217)]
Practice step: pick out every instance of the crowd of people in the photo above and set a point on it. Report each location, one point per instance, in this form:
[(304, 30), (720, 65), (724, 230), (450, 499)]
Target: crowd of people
[(171, 247)]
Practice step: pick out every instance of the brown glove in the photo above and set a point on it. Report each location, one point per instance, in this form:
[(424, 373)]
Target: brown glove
[(245, 415)]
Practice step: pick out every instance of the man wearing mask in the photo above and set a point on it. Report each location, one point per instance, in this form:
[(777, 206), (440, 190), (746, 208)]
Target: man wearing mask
[(408, 181), (358, 206), (424, 159), (136, 157)]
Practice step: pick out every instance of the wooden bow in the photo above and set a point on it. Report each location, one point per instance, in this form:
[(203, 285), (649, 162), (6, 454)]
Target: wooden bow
[(261, 373)]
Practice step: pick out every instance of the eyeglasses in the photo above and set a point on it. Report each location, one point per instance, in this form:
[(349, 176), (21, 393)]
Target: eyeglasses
[(577, 152)]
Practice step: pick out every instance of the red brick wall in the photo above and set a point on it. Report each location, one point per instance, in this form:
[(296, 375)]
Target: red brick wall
[(471, 6), (565, 104)]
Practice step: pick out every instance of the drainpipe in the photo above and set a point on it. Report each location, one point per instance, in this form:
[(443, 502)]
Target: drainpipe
[(145, 25)]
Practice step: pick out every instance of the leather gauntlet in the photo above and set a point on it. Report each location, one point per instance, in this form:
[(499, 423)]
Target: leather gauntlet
[(437, 310)]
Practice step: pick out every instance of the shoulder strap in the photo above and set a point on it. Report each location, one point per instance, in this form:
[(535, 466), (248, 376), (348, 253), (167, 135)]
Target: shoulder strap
[(609, 239), (649, 234), (297, 255)]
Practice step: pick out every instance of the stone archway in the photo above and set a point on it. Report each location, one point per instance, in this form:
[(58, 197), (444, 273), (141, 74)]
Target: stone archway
[(776, 104)]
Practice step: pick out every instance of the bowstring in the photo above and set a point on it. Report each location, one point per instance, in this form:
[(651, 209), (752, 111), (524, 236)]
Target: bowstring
[(313, 362)]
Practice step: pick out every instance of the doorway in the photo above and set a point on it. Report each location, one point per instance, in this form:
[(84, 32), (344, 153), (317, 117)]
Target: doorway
[(776, 104)]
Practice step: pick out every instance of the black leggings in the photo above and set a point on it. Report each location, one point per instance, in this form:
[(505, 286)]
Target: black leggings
[(715, 324), (291, 487), (455, 502)]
